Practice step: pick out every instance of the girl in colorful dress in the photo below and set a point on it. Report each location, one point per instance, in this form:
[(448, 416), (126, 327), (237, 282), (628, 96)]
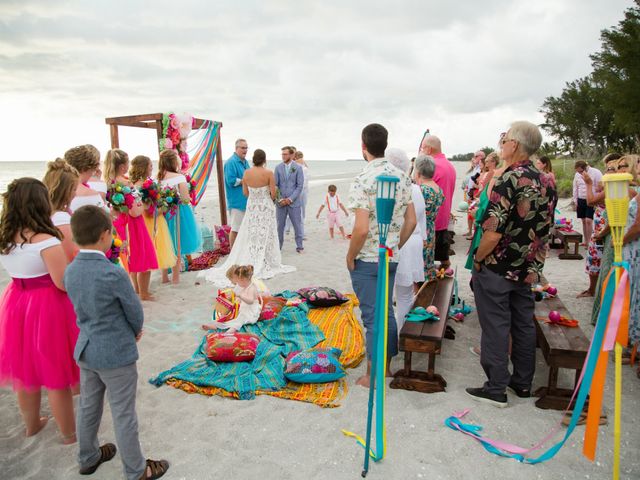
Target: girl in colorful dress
[(184, 230), (130, 226), (141, 170), (38, 329), (86, 160), (61, 180), (433, 197)]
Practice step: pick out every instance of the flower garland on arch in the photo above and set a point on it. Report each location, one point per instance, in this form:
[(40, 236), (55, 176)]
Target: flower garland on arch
[(175, 131)]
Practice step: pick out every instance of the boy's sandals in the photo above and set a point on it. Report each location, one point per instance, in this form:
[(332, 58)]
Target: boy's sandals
[(154, 469), (107, 452), (566, 420)]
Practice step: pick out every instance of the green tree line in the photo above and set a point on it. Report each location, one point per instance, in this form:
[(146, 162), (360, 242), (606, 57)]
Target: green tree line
[(601, 112)]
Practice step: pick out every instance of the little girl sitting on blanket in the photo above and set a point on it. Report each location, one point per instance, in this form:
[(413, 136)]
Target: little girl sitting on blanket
[(249, 296)]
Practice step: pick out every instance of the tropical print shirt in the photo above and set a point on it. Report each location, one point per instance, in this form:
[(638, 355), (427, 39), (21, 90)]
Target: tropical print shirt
[(362, 194), (520, 208)]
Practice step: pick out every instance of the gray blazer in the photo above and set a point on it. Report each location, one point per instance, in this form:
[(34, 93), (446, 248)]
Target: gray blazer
[(108, 311), (291, 186)]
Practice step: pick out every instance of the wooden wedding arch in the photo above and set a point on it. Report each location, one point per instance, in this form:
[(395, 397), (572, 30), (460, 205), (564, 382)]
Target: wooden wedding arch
[(154, 122)]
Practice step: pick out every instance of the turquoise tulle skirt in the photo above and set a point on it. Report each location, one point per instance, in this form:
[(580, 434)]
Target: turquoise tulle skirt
[(189, 240)]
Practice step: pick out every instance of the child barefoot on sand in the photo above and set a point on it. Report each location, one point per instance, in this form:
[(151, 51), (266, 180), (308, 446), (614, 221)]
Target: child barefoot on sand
[(247, 295), (333, 203)]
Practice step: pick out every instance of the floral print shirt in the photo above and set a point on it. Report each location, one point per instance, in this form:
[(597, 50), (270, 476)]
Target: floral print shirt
[(362, 194), (520, 208)]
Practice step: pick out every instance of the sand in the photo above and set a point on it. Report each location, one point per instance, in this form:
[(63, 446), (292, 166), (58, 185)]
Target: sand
[(269, 438)]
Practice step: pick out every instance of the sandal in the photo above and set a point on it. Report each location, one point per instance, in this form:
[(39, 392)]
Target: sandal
[(157, 468), (107, 452)]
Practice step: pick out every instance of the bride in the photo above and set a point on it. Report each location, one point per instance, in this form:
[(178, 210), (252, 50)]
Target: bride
[(257, 240)]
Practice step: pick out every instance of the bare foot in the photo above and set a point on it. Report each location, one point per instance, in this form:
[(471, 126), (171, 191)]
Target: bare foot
[(175, 282), (165, 280), (363, 381), (584, 294), (147, 297), (40, 426), (69, 439)]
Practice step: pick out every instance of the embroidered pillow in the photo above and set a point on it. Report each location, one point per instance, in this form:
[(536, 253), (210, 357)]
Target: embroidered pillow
[(315, 365), (271, 307), (322, 296), (231, 347)]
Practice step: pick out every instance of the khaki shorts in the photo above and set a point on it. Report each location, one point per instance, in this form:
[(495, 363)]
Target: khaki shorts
[(235, 219)]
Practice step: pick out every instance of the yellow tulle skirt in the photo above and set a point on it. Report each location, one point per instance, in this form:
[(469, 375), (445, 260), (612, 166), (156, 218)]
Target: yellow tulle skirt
[(161, 240)]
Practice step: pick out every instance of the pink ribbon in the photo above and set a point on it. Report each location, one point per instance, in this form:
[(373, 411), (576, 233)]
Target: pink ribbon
[(616, 313)]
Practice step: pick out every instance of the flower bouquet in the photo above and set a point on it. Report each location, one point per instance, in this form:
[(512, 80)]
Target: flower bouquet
[(113, 254), (150, 192), (168, 201), (192, 191), (120, 196)]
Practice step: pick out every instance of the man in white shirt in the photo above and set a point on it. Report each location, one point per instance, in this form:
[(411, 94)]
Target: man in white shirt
[(583, 209)]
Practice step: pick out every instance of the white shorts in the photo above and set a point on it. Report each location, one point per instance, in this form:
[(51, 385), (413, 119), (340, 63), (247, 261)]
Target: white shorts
[(235, 219)]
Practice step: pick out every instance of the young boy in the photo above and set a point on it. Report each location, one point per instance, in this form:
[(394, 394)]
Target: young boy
[(109, 316), (332, 201)]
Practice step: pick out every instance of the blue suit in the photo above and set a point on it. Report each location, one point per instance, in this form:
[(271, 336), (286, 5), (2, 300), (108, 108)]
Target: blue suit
[(290, 185)]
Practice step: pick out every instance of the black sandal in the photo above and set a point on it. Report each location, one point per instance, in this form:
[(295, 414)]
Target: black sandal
[(107, 452), (157, 467)]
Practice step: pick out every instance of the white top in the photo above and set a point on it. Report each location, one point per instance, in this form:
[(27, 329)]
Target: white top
[(305, 173), (25, 261), (580, 188), (98, 186), (61, 218), (333, 202), (96, 200), (173, 181)]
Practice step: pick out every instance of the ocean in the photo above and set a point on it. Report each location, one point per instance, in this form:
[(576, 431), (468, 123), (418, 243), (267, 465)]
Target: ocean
[(322, 171)]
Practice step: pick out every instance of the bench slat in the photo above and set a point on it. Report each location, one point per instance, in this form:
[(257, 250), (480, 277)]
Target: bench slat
[(436, 293)]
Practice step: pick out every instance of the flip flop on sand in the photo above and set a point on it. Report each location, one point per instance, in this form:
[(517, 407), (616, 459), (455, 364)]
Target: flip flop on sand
[(566, 420)]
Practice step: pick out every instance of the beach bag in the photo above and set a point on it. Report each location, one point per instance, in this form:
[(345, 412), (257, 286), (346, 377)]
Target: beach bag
[(315, 365), (322, 296), (232, 347), (226, 306)]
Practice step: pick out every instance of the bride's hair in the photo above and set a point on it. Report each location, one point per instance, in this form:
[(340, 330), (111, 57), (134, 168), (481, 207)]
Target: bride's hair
[(259, 157)]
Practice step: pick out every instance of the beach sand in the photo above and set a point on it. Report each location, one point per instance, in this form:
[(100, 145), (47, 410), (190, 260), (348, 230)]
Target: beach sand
[(269, 438)]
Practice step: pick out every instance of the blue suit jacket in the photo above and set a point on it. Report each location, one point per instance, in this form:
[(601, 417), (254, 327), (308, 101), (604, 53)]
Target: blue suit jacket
[(292, 186), (109, 313)]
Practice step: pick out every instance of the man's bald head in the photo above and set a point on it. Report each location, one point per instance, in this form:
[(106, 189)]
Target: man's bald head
[(431, 145)]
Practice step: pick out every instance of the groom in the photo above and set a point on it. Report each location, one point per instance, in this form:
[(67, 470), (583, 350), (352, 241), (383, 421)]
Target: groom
[(289, 181)]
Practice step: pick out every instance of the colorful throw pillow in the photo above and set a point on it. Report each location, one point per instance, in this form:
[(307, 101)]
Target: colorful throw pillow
[(322, 296), (315, 365), (271, 307), (232, 347)]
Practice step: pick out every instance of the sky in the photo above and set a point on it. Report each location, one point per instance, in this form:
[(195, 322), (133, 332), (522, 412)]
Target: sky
[(309, 74)]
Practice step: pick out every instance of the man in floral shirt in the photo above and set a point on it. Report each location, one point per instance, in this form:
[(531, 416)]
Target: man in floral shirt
[(362, 257), (508, 260)]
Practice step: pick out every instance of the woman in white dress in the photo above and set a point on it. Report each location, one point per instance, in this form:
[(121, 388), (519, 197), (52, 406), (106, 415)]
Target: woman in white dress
[(411, 264), (257, 240), (61, 181), (86, 160)]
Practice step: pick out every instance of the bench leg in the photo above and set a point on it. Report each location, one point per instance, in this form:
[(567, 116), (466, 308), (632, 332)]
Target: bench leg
[(552, 397), (407, 364), (425, 382)]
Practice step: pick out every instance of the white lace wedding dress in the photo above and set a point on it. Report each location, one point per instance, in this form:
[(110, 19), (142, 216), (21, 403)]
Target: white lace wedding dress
[(256, 243)]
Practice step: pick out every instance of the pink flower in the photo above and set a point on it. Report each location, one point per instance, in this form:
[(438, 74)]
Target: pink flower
[(168, 144), (174, 121), (183, 146)]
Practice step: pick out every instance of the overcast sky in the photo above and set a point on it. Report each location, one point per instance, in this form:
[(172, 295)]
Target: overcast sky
[(309, 74)]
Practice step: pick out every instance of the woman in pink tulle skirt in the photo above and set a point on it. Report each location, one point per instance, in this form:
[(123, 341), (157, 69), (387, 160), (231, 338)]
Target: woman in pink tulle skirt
[(38, 329)]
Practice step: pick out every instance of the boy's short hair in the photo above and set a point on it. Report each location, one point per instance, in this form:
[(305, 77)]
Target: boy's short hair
[(332, 188), (88, 223)]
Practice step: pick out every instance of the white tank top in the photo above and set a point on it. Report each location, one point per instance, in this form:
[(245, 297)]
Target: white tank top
[(98, 186), (173, 181), (332, 203), (96, 200), (61, 218), (25, 261)]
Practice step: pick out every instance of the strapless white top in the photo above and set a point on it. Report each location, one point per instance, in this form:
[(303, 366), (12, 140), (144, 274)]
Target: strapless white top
[(96, 200), (173, 181), (61, 218), (25, 261), (98, 186)]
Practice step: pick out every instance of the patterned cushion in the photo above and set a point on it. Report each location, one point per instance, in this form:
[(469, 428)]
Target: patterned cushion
[(315, 365), (322, 296), (271, 307), (231, 347)]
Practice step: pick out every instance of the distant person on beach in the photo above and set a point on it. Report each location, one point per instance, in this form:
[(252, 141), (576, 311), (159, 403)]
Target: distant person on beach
[(583, 210), (509, 259), (298, 157), (469, 185), (86, 160), (234, 169), (37, 321), (362, 257), (445, 177), (334, 205), (110, 319), (289, 179)]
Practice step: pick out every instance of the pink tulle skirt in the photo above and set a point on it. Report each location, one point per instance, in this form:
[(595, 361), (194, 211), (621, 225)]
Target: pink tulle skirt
[(38, 333), (141, 252)]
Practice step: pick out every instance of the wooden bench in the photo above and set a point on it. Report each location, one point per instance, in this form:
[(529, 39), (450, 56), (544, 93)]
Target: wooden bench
[(425, 337), (567, 238), (562, 347)]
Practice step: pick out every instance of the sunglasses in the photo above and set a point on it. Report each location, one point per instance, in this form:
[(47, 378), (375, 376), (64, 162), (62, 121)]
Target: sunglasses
[(623, 165)]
